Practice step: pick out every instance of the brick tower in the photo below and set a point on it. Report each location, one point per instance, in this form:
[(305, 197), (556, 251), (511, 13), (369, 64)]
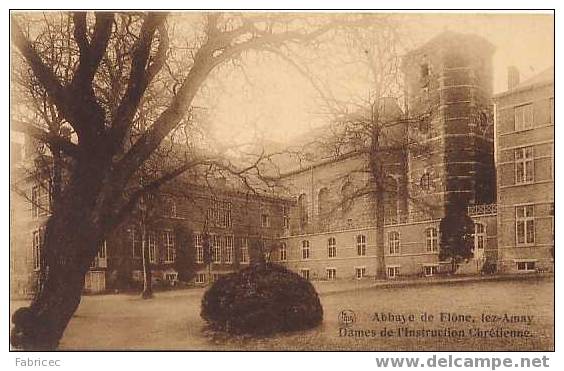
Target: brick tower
[(448, 84)]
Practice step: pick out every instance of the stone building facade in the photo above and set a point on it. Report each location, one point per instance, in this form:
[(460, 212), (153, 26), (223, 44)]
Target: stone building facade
[(313, 225), (525, 173), (446, 129), (448, 92), (240, 227)]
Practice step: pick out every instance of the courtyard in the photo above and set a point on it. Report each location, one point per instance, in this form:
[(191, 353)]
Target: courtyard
[(478, 310)]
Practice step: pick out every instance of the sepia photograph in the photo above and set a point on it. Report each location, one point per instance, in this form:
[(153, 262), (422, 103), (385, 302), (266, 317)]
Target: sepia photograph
[(290, 180)]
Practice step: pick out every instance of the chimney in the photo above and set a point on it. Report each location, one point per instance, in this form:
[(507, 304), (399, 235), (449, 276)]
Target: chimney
[(512, 77)]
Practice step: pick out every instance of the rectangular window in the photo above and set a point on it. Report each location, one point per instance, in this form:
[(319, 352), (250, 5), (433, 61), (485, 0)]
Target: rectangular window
[(304, 273), (168, 244), (526, 266), (393, 272), (152, 245), (361, 245), (285, 217), (228, 249), (244, 250), (135, 237), (394, 243), (525, 225), (102, 251), (305, 249), (524, 165), (283, 252), (99, 260), (331, 273), (332, 247), (431, 242), (200, 278), (40, 200), (198, 244), (265, 220), (479, 235), (360, 272), (430, 270), (171, 278), (219, 214), (169, 207), (216, 242), (523, 117), (36, 249)]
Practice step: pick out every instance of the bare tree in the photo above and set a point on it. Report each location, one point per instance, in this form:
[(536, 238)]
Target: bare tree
[(371, 122), (112, 61)]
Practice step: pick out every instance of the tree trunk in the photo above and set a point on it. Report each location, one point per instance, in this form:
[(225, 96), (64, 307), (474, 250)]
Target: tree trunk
[(71, 241), (380, 236), (147, 274)]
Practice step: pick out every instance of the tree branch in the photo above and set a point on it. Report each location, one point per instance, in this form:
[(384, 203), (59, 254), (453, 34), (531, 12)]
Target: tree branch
[(91, 53), (43, 73), (140, 76), (50, 139), (79, 20)]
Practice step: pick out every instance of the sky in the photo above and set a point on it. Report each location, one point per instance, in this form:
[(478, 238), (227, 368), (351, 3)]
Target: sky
[(271, 99)]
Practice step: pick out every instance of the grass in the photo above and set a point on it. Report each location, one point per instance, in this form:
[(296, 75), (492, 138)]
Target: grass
[(172, 320)]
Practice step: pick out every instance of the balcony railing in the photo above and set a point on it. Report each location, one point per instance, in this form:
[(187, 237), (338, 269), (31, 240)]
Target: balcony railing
[(99, 262), (487, 209)]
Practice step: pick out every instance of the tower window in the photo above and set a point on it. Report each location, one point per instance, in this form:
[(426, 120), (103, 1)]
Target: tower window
[(425, 181), (424, 70)]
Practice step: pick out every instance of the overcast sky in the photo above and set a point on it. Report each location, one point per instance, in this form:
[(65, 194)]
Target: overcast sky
[(281, 104)]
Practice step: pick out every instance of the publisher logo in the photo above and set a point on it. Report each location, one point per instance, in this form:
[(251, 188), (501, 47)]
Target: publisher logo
[(347, 317)]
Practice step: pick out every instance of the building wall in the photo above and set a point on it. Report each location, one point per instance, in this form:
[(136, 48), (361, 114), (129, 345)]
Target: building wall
[(118, 267), (538, 192), (413, 253), (23, 275), (345, 261), (449, 85), (335, 211)]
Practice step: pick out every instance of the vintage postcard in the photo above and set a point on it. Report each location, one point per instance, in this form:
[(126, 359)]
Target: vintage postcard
[(282, 180)]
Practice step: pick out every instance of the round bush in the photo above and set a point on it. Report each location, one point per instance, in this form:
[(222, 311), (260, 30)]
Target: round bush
[(262, 299)]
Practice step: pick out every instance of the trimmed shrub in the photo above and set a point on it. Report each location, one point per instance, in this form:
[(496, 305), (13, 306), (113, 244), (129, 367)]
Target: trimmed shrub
[(262, 299)]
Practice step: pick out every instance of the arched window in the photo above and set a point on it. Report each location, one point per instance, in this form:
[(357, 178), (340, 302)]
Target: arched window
[(283, 252), (347, 195), (425, 182), (479, 236), (431, 240), (305, 249), (323, 200), (302, 209), (361, 245), (394, 242), (332, 247)]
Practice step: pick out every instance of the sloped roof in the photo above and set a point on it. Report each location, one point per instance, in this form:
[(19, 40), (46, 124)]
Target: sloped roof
[(451, 39), (542, 78)]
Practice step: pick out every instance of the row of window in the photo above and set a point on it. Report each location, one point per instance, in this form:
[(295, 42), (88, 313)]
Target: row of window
[(168, 245), (221, 249), (360, 272), (431, 243), (201, 277), (219, 214)]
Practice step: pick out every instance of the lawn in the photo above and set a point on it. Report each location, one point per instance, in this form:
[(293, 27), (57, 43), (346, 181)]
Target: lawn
[(172, 320)]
